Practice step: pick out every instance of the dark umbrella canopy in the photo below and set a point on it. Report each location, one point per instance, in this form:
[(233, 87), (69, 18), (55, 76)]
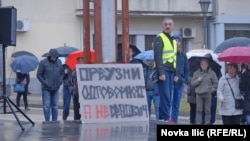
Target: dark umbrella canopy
[(24, 64), (194, 63), (20, 53), (119, 51), (63, 51), (232, 42)]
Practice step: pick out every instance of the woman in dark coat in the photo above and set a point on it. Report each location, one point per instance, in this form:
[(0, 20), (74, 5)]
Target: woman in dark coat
[(244, 88), (22, 78)]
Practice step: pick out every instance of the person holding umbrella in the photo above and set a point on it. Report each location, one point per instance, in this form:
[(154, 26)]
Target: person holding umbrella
[(50, 74), (74, 90), (67, 83), (205, 82), (228, 90), (22, 78)]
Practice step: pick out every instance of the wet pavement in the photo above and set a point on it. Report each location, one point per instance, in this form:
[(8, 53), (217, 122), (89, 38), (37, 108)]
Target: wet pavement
[(71, 130), (76, 131)]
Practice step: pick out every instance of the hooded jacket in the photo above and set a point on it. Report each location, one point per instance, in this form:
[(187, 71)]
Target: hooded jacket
[(50, 73)]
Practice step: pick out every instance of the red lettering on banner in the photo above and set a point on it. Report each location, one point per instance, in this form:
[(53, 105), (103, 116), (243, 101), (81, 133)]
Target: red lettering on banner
[(102, 111), (87, 111)]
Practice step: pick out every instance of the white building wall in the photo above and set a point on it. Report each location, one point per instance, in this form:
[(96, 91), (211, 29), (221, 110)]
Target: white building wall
[(55, 22)]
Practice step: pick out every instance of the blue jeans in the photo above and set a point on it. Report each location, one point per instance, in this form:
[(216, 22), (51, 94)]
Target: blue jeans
[(165, 91), (66, 102), (151, 95), (176, 100), (247, 118), (50, 103)]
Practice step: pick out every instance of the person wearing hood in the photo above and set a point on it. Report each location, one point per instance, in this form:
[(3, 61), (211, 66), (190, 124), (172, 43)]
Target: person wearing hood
[(50, 75)]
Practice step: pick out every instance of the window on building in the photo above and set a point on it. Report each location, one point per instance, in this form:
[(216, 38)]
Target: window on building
[(132, 39), (149, 39), (237, 33)]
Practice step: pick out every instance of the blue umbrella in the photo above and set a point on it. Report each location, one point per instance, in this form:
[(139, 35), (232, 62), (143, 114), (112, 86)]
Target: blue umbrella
[(20, 53), (24, 63), (145, 55)]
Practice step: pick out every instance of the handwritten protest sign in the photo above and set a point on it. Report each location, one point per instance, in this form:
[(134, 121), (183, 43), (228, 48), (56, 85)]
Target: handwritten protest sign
[(111, 93)]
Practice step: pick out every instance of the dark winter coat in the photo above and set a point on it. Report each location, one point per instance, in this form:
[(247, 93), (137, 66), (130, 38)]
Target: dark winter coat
[(245, 88), (158, 51), (50, 74), (182, 70)]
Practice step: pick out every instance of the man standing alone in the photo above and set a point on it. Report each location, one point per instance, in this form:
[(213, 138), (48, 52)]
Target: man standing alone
[(165, 49)]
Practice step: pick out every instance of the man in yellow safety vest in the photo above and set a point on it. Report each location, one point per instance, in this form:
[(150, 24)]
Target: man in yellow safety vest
[(165, 50)]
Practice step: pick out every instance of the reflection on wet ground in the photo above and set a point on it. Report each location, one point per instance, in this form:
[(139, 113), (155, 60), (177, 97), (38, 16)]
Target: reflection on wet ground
[(77, 131)]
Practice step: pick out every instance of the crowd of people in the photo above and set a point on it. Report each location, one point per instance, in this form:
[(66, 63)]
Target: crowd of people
[(204, 86)]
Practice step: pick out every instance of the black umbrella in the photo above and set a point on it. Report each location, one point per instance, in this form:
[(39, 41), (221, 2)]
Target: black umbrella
[(63, 51), (45, 54), (194, 63), (119, 51), (20, 53), (232, 42)]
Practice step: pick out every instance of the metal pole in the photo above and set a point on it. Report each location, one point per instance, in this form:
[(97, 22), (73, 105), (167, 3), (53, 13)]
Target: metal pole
[(98, 31), (4, 79), (205, 31), (86, 25), (125, 31), (116, 35)]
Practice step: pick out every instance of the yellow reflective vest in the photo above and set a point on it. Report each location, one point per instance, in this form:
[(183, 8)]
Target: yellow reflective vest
[(169, 52)]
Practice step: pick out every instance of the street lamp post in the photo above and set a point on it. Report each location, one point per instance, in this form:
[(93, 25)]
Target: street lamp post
[(204, 8)]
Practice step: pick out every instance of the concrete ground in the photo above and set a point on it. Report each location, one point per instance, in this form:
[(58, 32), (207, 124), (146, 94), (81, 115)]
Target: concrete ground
[(70, 130)]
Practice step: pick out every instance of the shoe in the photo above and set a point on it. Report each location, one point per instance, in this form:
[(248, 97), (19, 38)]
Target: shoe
[(162, 120), (171, 121), (27, 109), (64, 118)]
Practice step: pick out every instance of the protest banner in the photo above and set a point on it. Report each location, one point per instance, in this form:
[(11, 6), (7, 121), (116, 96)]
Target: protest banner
[(111, 93)]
